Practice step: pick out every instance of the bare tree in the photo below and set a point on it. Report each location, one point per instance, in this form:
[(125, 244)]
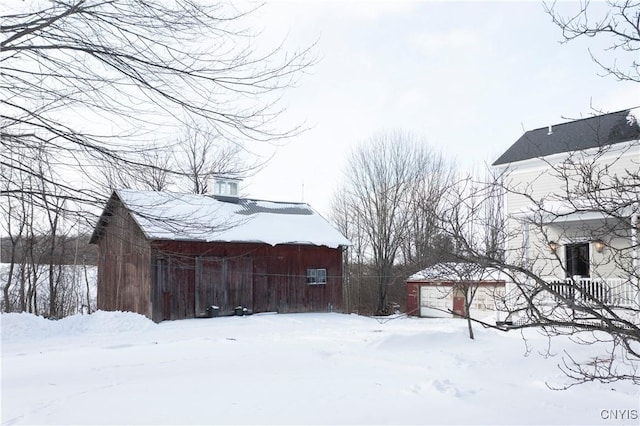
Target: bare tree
[(156, 172), (618, 20), (13, 226), (494, 220), (102, 87), (355, 259), (474, 285), (52, 206), (205, 155), (383, 176), (425, 244), (474, 221), (94, 81)]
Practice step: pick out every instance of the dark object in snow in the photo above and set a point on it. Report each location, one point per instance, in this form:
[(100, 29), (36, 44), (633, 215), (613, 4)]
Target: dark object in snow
[(242, 311), (213, 311)]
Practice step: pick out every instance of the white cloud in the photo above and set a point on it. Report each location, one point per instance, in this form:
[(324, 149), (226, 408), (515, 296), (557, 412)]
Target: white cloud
[(452, 39), (369, 10), (626, 95)]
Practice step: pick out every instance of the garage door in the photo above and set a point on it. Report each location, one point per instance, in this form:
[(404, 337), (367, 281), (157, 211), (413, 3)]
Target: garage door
[(435, 301)]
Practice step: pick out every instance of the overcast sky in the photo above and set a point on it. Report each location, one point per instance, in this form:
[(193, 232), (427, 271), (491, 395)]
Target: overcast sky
[(470, 77)]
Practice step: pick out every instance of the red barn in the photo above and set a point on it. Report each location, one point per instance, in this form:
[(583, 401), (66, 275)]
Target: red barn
[(170, 256)]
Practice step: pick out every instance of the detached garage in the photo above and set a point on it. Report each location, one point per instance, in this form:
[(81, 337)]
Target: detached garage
[(438, 291)]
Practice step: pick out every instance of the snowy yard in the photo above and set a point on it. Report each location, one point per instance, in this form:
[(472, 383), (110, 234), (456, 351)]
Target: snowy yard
[(120, 368)]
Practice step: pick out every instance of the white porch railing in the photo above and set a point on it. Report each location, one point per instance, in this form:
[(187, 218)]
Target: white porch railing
[(565, 295), (614, 292)]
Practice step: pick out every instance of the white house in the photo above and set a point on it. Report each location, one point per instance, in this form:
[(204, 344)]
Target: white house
[(572, 193)]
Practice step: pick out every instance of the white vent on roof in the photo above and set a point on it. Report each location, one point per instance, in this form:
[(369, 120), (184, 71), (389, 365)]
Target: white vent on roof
[(632, 117), (550, 132), (227, 189)]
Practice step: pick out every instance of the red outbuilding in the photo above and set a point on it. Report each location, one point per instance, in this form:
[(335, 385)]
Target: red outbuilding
[(170, 256)]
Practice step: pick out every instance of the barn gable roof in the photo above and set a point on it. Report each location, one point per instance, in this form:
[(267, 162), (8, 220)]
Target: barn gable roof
[(592, 132), (195, 217)]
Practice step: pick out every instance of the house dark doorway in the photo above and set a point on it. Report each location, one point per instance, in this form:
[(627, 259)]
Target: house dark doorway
[(577, 259)]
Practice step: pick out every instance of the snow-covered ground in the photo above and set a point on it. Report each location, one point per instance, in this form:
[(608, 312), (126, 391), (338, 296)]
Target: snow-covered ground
[(120, 368)]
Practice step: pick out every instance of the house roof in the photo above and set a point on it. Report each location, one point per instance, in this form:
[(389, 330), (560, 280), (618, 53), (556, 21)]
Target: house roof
[(194, 217), (458, 271), (592, 132)]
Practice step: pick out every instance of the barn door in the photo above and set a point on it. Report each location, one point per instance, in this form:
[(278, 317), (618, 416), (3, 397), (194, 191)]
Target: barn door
[(239, 278), (264, 292), (224, 282), (162, 296), (174, 288), (210, 285)]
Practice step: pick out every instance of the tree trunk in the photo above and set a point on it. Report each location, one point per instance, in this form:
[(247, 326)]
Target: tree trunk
[(86, 280), (469, 325), (7, 286), (22, 291), (467, 311)]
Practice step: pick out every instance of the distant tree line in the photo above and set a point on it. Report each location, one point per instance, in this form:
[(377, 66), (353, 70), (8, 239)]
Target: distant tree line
[(70, 250)]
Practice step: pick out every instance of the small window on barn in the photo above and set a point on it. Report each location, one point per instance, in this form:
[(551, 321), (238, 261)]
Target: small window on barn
[(316, 276), (226, 187)]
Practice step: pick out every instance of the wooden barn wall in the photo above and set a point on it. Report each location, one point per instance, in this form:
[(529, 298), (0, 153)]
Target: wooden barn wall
[(124, 259), (260, 277)]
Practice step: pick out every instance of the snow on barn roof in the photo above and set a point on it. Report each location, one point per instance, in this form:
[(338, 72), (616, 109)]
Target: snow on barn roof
[(195, 217), (458, 271)]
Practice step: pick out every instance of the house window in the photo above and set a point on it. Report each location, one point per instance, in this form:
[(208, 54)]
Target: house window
[(577, 259), (316, 276)]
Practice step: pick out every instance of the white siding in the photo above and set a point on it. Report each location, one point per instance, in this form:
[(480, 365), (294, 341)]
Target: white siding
[(437, 301), (539, 181)]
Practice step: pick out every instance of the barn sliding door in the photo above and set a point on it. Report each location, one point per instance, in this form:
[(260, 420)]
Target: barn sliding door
[(239, 273), (174, 290), (225, 282), (210, 288)]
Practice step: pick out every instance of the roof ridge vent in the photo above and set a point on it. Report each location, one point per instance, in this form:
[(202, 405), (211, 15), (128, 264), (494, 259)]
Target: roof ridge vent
[(550, 132)]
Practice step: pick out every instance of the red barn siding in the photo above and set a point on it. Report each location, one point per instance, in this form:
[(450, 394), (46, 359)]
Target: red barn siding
[(413, 299), (180, 279), (124, 256), (258, 276)]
